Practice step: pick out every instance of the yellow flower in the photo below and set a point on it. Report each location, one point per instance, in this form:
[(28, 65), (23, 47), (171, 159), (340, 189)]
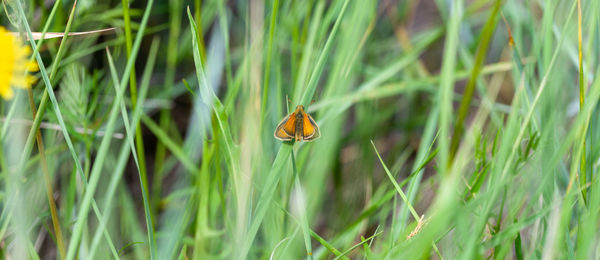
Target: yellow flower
[(14, 64)]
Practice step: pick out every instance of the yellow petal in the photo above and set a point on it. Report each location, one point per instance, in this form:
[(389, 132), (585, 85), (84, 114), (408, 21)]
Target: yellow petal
[(32, 66), (6, 93)]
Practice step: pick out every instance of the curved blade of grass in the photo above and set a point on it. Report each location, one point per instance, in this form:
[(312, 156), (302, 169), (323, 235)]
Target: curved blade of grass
[(147, 211), (393, 181), (429, 137), (140, 151), (165, 114), (43, 161), (281, 243), (105, 143), (210, 98), (126, 148), (401, 193)]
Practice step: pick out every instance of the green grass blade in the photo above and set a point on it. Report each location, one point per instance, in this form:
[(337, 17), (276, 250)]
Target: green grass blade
[(309, 91), (104, 146), (447, 82), (147, 210), (125, 148), (465, 103)]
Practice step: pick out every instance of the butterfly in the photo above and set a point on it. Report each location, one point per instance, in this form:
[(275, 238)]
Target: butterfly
[(298, 126)]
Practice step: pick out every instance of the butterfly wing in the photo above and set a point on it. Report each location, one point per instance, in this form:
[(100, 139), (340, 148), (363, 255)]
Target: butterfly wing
[(310, 129), (286, 128)]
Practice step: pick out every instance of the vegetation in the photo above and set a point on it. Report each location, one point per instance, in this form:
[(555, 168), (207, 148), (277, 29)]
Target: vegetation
[(449, 130)]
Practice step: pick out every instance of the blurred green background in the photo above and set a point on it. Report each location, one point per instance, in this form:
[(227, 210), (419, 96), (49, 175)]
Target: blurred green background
[(450, 129)]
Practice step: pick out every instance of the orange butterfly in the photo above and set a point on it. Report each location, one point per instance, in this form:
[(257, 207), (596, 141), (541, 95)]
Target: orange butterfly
[(297, 126)]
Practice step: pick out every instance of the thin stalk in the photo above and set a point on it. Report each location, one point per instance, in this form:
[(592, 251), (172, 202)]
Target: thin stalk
[(303, 219), (125, 149), (328, 245), (267, 75), (486, 35), (198, 18), (48, 182), (144, 190), (35, 129), (447, 78), (50, 94), (202, 215), (104, 145), (225, 31), (128, 43), (402, 194), (582, 169), (165, 115), (44, 102), (320, 65), (139, 141)]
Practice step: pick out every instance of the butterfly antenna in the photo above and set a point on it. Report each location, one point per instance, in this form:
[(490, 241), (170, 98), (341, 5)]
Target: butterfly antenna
[(287, 104)]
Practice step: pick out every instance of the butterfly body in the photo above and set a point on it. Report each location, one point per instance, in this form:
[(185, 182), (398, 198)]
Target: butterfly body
[(298, 126)]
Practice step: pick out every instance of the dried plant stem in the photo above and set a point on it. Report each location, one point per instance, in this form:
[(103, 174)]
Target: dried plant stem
[(48, 183)]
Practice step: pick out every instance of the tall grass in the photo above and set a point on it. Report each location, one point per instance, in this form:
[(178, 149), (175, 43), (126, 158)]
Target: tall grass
[(449, 130)]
